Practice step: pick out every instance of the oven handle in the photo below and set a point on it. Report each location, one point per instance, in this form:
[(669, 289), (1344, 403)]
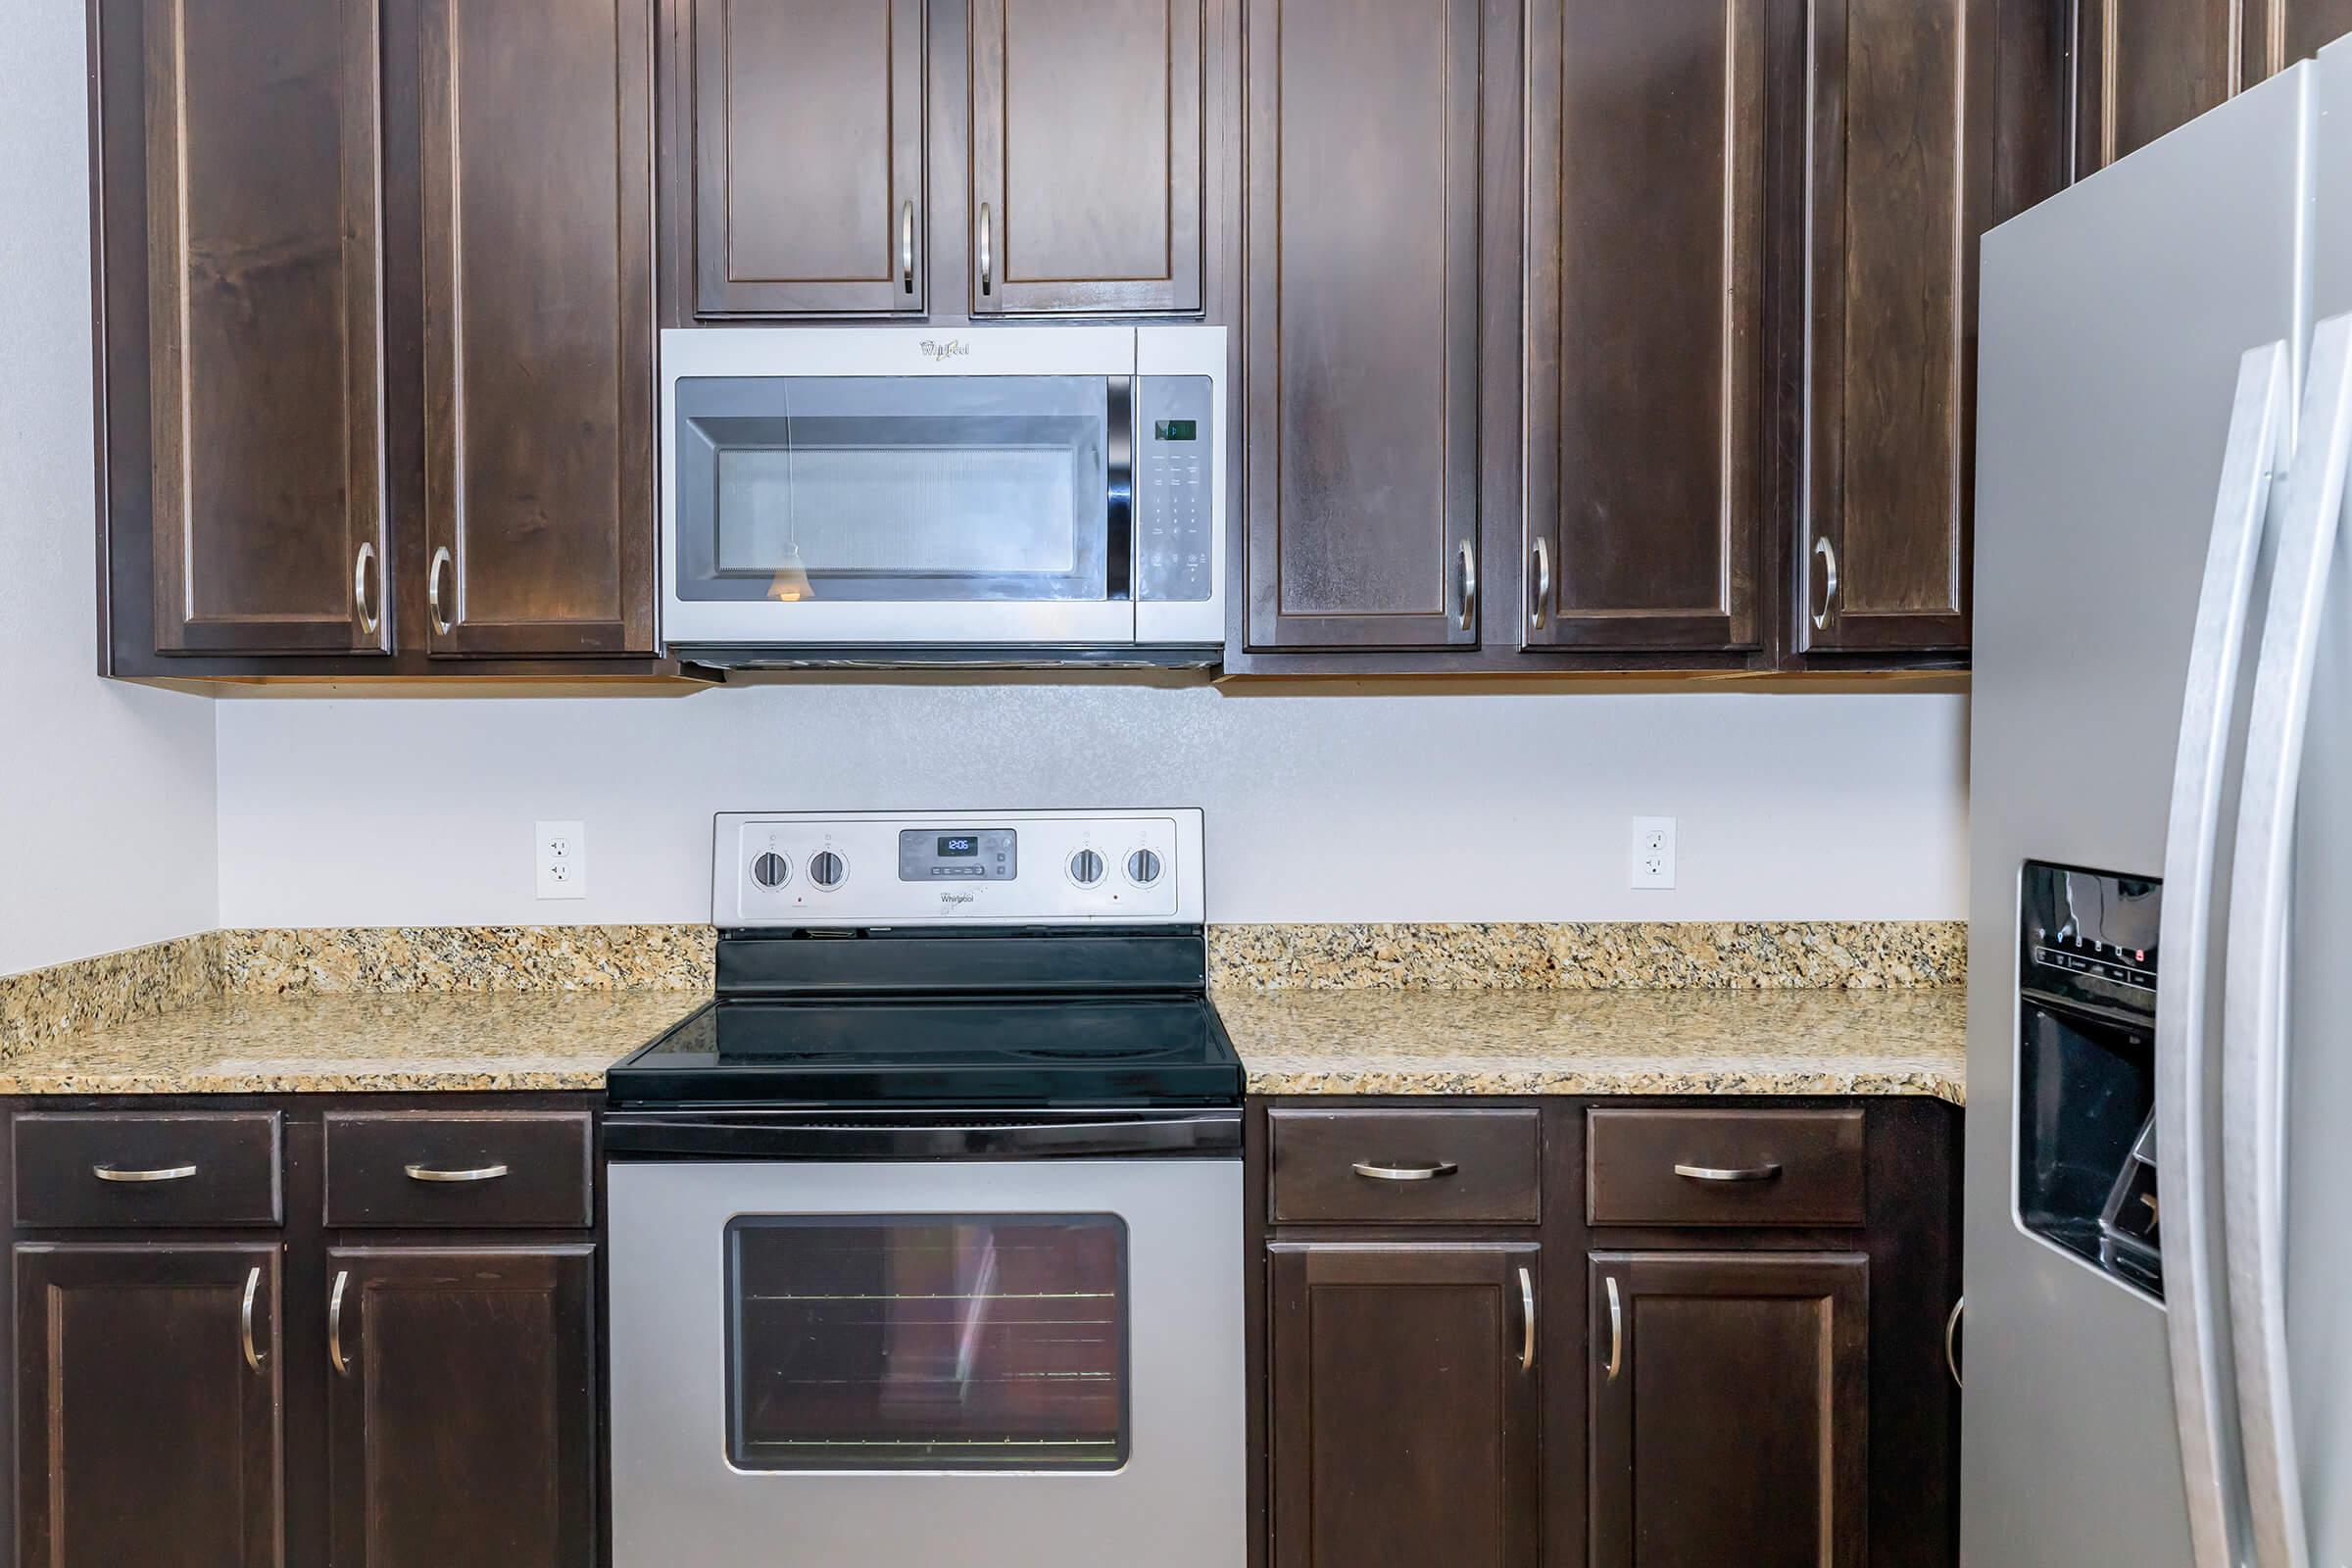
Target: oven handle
[(1118, 546), (707, 1135)]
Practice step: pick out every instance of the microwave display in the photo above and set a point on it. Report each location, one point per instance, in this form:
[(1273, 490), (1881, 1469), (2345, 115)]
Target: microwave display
[(1175, 429)]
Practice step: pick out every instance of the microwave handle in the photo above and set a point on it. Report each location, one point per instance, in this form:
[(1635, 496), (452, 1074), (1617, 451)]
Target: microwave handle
[(1118, 552)]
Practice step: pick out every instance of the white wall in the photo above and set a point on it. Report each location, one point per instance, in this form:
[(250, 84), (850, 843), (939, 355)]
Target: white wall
[(1320, 807), (106, 791)]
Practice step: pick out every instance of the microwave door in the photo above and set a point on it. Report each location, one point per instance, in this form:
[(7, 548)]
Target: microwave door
[(900, 510)]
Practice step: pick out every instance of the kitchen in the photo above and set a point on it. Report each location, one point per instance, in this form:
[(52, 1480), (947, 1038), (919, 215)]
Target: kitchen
[(1241, 782)]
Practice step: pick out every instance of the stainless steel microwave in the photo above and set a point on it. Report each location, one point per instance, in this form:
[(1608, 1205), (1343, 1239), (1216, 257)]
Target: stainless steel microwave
[(887, 495)]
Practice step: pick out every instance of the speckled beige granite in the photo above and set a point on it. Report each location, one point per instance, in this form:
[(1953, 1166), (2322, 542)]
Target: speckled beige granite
[(1784, 1041), (443, 958), (42, 1005), (1591, 955), (347, 1043)]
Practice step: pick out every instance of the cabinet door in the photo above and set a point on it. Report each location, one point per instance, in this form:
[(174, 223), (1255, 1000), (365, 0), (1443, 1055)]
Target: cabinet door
[(2288, 30), (148, 1406), (1085, 155), (461, 1407), (809, 157), (539, 326), (266, 426), (1902, 186), (1645, 318), (2147, 67), (1405, 1392), (1730, 1396), (1366, 226)]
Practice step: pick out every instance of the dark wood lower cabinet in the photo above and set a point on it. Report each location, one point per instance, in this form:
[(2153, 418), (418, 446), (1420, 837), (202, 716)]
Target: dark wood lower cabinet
[(147, 1405), (463, 1407), (1405, 1405), (1729, 1409)]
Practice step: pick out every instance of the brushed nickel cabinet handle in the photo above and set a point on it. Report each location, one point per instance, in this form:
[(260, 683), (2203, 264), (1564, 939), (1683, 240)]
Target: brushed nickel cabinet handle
[(1951, 1327), (906, 247), (1527, 1309), (1827, 554), (1616, 1330), (1538, 594), (426, 1173), (432, 590), (1469, 565), (361, 579), (158, 1173), (253, 1287), (1391, 1171), (334, 1323), (1736, 1173), (987, 269)]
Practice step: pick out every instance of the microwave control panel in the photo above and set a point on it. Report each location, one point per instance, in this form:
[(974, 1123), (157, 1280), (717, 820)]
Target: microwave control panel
[(1175, 476)]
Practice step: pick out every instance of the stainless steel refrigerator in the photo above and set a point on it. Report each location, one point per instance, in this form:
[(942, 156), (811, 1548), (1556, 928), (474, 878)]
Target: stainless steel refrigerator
[(2158, 1324)]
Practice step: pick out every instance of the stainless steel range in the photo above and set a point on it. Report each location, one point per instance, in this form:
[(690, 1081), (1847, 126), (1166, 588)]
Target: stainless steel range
[(927, 1235)]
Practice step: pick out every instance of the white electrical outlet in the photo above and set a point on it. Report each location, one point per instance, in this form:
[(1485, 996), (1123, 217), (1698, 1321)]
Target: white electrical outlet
[(1652, 852), (559, 856)]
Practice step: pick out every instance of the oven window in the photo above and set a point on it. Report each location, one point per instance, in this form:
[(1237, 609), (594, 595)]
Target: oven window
[(905, 488), (927, 1341)]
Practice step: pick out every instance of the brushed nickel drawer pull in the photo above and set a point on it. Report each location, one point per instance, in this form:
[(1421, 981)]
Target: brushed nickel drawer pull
[(1714, 1173), (361, 582), (906, 246), (1389, 1170), (1468, 613), (253, 1285), (432, 591), (426, 1173), (1616, 1330), (160, 1173), (1527, 1305), (334, 1324), (1951, 1327)]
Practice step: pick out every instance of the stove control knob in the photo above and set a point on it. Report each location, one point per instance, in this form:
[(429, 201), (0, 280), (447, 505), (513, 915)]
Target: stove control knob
[(1086, 868), (827, 869), (771, 870), (1143, 868)]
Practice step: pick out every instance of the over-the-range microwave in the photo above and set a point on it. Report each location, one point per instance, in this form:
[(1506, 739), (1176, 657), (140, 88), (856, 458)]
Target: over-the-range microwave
[(907, 496)]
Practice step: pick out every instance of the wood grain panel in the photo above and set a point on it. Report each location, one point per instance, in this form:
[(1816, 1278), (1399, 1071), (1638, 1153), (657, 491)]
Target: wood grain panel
[(1404, 1431), (463, 1434), (1364, 221), (1735, 1429), (1646, 301), (264, 351), (539, 343), (2147, 67), (1085, 155), (2280, 32), (145, 1438), (809, 156), (1902, 187)]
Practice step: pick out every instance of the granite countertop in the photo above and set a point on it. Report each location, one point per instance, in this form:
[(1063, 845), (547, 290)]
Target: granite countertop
[(357, 1043), (1626, 1042)]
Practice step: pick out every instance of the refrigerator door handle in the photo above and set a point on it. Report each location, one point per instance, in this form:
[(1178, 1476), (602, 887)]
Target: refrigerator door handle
[(2253, 996), (2258, 419)]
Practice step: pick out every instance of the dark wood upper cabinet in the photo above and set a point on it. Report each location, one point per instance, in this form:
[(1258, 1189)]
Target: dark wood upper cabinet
[(2147, 67), (462, 1406), (1381, 237), (1902, 185), (1728, 1405), (538, 326), (1404, 1417), (807, 125), (2288, 30), (261, 451), (1086, 119), (147, 1407), (1645, 279)]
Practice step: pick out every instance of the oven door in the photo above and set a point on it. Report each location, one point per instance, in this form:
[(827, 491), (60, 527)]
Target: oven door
[(982, 1362), (885, 487)]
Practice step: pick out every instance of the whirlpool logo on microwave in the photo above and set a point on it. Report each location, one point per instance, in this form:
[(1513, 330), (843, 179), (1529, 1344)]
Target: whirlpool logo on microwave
[(952, 349)]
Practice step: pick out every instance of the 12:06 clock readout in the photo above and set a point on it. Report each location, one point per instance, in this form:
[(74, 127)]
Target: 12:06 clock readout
[(958, 844)]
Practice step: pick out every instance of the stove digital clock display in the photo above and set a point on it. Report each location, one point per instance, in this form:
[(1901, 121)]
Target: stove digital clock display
[(958, 844)]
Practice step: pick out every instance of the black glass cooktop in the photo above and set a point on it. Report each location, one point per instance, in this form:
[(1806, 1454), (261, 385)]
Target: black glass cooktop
[(995, 1050)]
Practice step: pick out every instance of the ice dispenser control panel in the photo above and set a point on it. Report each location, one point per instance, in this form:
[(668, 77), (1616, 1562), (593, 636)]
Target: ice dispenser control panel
[(1175, 476)]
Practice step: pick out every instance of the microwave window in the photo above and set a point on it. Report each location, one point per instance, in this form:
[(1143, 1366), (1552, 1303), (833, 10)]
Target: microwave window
[(893, 488), (927, 1341)]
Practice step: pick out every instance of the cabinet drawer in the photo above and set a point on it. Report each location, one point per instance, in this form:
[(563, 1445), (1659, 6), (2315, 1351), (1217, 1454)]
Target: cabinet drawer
[(1391, 1168), (460, 1170), (109, 1169), (1724, 1167)]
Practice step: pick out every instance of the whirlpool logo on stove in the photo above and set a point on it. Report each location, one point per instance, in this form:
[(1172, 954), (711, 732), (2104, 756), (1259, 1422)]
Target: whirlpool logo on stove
[(952, 349), (953, 900)]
